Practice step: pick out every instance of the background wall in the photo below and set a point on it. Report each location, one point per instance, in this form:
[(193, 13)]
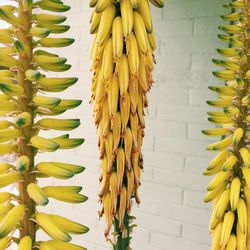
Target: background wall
[(172, 215)]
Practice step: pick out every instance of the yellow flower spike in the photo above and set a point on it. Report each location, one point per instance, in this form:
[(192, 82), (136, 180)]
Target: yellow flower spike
[(24, 85), (229, 223), (119, 94)]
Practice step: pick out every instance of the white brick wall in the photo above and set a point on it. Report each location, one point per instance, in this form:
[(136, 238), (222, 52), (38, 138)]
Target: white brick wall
[(172, 215)]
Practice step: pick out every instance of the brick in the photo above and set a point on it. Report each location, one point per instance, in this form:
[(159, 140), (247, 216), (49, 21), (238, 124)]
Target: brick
[(181, 27), (196, 164), (180, 179), (198, 97), (191, 44), (206, 25), (196, 233), (182, 113), (157, 223), (183, 78), (161, 240), (162, 128), (181, 146), (173, 61), (163, 95), (203, 61), (158, 192), (182, 213), (163, 160), (194, 199), (194, 131), (199, 8)]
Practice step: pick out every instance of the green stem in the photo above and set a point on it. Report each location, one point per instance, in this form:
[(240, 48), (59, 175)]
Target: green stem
[(28, 227), (123, 241)]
